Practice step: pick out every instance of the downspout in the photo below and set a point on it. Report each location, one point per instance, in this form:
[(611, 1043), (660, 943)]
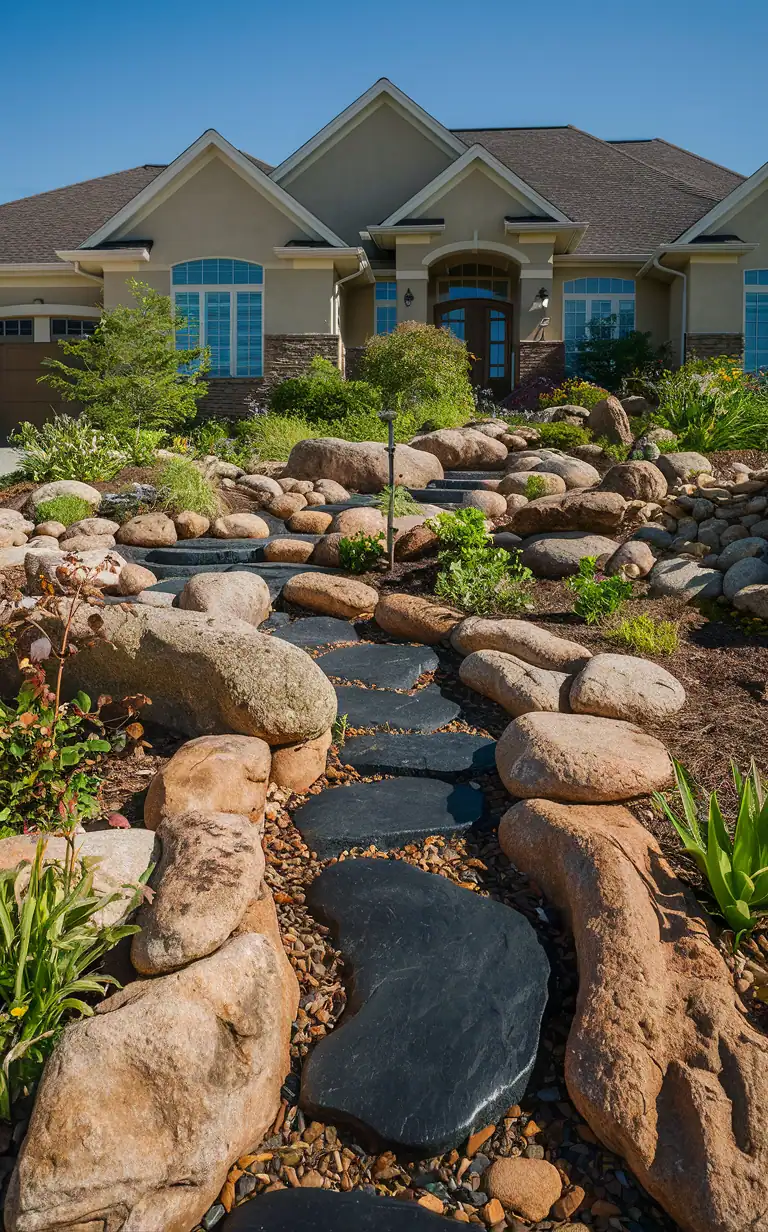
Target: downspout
[(665, 269), (337, 299), (93, 277)]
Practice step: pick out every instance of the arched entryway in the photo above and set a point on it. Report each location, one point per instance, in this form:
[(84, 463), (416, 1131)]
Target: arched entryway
[(474, 301)]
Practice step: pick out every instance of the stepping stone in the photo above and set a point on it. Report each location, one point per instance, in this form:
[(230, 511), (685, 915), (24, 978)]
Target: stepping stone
[(388, 813), (441, 1030), (445, 754), (354, 502), (227, 552), (310, 632), (175, 577), (424, 711), (388, 667), (436, 496), (323, 1210), (464, 479)]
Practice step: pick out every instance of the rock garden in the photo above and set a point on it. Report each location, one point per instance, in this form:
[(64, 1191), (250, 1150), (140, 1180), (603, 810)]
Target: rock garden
[(384, 840)]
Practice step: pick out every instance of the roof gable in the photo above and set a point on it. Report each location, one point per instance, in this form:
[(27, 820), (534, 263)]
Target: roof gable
[(721, 213)]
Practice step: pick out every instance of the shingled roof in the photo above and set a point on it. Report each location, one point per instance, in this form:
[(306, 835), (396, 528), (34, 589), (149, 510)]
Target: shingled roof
[(691, 169)]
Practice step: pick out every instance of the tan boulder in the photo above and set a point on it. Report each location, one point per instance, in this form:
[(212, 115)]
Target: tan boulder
[(635, 557), (415, 618), (513, 441), (14, 519), (415, 544), (190, 525), (527, 1187), (11, 538), (45, 542), (609, 419), (191, 1063), (326, 552), (333, 596), (660, 1060), (309, 522), (240, 526), (462, 449), (261, 486), (213, 774), (573, 471), (361, 466), (85, 543), (296, 767), (51, 529), (315, 498), (333, 492), (517, 686), (516, 483), (102, 566), (620, 686), (492, 504), (135, 578), (60, 487), (520, 638), (286, 505), (599, 512), (90, 526), (580, 757), (244, 596), (302, 486), (148, 530), (351, 522), (636, 481), (292, 551)]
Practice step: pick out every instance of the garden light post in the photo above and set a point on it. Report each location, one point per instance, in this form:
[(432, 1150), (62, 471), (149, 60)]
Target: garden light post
[(389, 419)]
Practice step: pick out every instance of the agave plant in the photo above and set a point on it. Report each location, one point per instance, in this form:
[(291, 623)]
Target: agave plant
[(736, 868)]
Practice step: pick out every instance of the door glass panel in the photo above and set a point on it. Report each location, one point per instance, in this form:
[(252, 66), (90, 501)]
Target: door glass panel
[(497, 350), (455, 322)]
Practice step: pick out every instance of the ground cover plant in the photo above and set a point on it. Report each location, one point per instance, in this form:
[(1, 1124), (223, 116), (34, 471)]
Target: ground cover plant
[(643, 634), (575, 391), (64, 509), (558, 435), (403, 503), (535, 487), (359, 553), (597, 596), (473, 574), (182, 486), (67, 448)]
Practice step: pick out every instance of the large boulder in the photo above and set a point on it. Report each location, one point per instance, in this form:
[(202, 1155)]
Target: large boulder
[(557, 554), (89, 526), (636, 481), (333, 596), (462, 449), (289, 551), (415, 618), (310, 522), (326, 551), (60, 487), (143, 1108), (351, 522), (135, 578), (191, 525), (213, 774), (286, 504), (102, 565), (580, 757), (573, 471), (620, 686), (492, 504), (660, 1060), (609, 419), (752, 599), (148, 530), (240, 526), (522, 639), (261, 487), (684, 579), (362, 466), (600, 512), (515, 483), (238, 595), (517, 686), (683, 467), (205, 674)]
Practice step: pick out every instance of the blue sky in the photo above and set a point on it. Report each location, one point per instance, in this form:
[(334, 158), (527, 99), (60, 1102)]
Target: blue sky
[(101, 89)]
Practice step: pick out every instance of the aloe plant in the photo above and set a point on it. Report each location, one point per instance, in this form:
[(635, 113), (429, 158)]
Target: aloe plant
[(736, 868)]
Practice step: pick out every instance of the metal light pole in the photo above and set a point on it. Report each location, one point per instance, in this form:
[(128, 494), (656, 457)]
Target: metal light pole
[(389, 419)]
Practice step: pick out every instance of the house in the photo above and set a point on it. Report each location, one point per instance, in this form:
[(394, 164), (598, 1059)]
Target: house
[(514, 238)]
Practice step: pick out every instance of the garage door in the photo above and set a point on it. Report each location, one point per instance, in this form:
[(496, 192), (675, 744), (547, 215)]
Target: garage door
[(20, 395)]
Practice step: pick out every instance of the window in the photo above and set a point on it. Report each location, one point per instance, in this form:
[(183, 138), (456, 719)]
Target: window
[(16, 329), (228, 320), (755, 320), (69, 327), (497, 355), (588, 301), (473, 282), (455, 322), (385, 299)]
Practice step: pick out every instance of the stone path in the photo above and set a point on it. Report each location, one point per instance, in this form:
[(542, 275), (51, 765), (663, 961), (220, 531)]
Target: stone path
[(445, 754), (311, 632), (321, 1210), (386, 667), (424, 711)]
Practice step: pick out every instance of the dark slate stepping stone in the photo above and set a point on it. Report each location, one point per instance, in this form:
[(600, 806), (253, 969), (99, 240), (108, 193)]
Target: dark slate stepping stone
[(388, 667), (464, 479), (445, 1000), (445, 754), (354, 502), (323, 1210), (388, 813), (436, 496), (424, 711), (313, 631), (226, 552)]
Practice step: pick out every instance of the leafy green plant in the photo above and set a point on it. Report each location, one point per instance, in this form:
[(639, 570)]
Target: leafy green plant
[(67, 448), (420, 366), (535, 487), (403, 501), (50, 941), (645, 635), (128, 373), (607, 359), (323, 394), (708, 413), (182, 486), (611, 449), (339, 729), (486, 581), (64, 509), (459, 533), (141, 444), (272, 437), (574, 392), (359, 553), (561, 435), (597, 597), (736, 868)]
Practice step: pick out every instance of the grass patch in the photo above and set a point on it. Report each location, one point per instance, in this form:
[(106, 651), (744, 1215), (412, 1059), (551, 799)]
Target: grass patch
[(644, 635), (535, 487), (183, 487), (403, 503), (64, 509)]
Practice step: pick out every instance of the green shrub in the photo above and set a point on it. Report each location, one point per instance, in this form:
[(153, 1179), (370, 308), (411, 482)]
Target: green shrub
[(181, 485), (644, 635), (574, 392), (360, 552), (67, 448), (561, 436), (403, 503), (322, 394), (272, 437), (618, 453), (64, 509), (50, 943), (597, 597), (421, 369), (140, 445), (486, 582), (736, 868), (707, 415), (535, 487), (609, 360), (459, 533)]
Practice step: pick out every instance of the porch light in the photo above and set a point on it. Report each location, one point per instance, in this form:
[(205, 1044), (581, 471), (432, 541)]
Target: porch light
[(541, 300), (408, 298)]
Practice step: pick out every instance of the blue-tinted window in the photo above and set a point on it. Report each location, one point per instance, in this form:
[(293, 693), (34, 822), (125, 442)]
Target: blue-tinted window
[(455, 322), (385, 294), (249, 334), (217, 272), (497, 357), (599, 286), (756, 328), (229, 322), (15, 328), (218, 330)]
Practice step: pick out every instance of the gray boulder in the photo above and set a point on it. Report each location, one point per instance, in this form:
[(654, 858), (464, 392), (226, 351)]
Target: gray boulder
[(557, 555), (683, 579), (60, 487), (751, 571), (682, 466)]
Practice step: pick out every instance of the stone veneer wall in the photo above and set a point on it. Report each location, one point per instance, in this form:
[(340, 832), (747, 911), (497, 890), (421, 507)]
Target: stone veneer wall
[(540, 359), (707, 346), (285, 355)]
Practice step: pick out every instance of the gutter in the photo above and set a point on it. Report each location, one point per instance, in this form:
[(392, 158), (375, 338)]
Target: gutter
[(91, 277)]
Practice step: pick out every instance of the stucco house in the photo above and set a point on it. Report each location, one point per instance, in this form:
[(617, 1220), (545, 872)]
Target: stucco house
[(512, 237)]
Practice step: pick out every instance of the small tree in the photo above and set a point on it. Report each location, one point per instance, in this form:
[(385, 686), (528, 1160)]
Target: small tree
[(128, 374), (608, 359), (418, 365)]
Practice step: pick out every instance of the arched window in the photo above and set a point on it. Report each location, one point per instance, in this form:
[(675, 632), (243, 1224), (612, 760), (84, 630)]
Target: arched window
[(228, 320), (473, 281), (587, 302)]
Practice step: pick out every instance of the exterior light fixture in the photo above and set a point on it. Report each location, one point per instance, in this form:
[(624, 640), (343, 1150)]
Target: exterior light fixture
[(37, 301), (541, 299), (408, 298)]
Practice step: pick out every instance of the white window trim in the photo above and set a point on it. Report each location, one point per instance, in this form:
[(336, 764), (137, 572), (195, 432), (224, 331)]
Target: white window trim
[(231, 290), (587, 297)]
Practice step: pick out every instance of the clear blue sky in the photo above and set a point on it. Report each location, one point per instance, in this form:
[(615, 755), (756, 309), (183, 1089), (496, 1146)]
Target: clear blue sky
[(93, 89)]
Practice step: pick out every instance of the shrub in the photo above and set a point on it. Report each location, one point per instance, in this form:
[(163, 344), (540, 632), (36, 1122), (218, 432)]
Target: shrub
[(707, 415), (574, 392), (561, 435), (644, 635), (611, 449), (535, 487), (403, 503), (608, 360), (140, 445), (128, 373), (271, 437), (597, 597), (736, 868), (50, 943), (459, 533), (181, 485), (418, 365), (67, 448), (322, 394), (474, 575), (361, 552), (64, 509)]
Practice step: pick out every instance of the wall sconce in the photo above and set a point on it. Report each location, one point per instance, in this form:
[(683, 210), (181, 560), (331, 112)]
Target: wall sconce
[(541, 299), (408, 298), (37, 301)]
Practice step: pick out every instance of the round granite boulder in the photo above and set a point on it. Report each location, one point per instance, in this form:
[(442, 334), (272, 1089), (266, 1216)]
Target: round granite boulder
[(361, 466), (636, 481), (148, 530), (557, 555)]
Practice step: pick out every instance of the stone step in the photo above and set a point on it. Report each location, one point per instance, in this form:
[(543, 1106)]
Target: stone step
[(173, 578), (436, 496), (222, 551), (310, 632), (463, 479), (374, 663), (387, 813), (445, 755), (325, 1210), (423, 711)]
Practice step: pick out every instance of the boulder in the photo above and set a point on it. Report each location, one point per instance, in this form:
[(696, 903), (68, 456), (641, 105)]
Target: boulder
[(12, 538), (493, 427), (527, 460), (191, 1063), (620, 686), (37, 542), (526, 1187), (90, 526), (211, 868), (190, 525), (262, 486), (522, 639), (135, 578), (52, 530), (513, 440), (205, 674), (600, 512), (557, 554), (333, 492), (309, 522), (83, 543), (333, 596), (636, 481), (752, 599), (747, 572), (316, 498), (516, 482), (351, 522), (301, 486), (240, 526), (213, 774), (573, 471), (362, 466), (415, 544), (148, 530), (103, 565), (60, 487), (285, 505), (682, 467), (684, 579), (238, 595), (415, 618), (580, 757), (295, 767), (462, 449), (15, 518), (326, 552), (609, 419), (739, 549), (492, 504), (657, 1024), (635, 557), (291, 551), (517, 686)]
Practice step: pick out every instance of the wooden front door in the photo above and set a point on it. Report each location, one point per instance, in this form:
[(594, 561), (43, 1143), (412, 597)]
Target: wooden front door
[(486, 327)]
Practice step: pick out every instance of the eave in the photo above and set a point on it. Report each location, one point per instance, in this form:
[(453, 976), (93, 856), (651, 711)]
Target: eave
[(386, 237), (680, 253), (105, 260), (567, 234), (342, 259)]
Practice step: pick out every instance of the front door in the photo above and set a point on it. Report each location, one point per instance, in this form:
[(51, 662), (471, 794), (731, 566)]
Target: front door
[(486, 327)]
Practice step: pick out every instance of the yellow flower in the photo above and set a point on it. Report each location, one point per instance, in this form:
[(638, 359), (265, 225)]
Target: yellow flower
[(19, 1011)]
